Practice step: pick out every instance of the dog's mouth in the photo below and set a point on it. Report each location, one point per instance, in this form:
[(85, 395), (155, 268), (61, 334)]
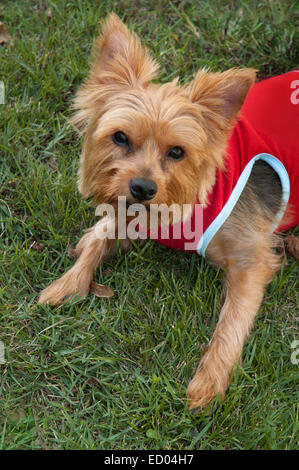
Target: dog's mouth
[(136, 206), (132, 205)]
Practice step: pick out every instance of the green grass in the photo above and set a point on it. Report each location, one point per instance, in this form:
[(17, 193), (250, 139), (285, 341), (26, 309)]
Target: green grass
[(111, 374)]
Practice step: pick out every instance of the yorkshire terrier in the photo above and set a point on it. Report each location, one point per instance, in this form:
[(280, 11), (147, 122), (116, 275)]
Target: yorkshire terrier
[(188, 145)]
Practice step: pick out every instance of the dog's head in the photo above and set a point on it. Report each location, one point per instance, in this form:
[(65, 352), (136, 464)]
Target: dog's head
[(153, 143)]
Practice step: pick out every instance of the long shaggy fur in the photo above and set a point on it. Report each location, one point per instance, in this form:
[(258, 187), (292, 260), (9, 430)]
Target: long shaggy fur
[(119, 95)]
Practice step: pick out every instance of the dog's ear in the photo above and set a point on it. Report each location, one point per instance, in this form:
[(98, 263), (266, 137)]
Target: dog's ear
[(223, 93), (119, 62), (119, 56)]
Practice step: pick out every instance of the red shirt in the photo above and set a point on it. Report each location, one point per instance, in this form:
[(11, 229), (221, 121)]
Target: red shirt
[(267, 129)]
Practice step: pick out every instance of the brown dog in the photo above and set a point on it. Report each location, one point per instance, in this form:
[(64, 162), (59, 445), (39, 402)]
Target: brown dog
[(173, 138)]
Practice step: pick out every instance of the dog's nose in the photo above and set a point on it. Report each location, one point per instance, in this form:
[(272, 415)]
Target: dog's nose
[(143, 189)]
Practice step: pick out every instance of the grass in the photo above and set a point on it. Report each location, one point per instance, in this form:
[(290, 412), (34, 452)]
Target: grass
[(112, 374)]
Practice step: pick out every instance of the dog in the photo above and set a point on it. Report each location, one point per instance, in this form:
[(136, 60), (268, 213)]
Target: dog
[(173, 144)]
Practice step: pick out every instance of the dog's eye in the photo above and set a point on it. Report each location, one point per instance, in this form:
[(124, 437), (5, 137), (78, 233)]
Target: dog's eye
[(176, 153), (119, 138)]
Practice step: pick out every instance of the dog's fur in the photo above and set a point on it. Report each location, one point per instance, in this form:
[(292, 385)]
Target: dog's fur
[(119, 95)]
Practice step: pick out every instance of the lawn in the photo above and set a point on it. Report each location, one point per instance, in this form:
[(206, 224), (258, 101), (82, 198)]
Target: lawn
[(112, 373)]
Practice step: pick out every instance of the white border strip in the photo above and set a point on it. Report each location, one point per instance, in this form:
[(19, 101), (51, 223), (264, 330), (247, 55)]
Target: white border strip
[(277, 166)]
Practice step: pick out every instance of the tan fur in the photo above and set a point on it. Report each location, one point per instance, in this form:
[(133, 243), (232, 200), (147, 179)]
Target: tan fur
[(244, 248), (118, 95)]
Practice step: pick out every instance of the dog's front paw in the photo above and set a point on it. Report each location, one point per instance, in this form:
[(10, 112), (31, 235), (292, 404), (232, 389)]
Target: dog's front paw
[(203, 388), (70, 284)]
